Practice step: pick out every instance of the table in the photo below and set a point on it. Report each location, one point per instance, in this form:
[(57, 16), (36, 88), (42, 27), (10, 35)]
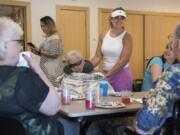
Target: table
[(77, 111)]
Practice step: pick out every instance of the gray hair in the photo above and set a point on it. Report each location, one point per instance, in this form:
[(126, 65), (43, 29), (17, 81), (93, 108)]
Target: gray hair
[(177, 31), (176, 41), (73, 55), (8, 29)]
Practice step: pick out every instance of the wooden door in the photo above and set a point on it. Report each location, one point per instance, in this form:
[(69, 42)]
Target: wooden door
[(73, 25), (103, 23), (157, 29), (103, 15), (20, 12), (134, 25)]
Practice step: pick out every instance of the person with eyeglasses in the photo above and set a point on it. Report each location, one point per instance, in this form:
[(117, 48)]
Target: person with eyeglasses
[(50, 50), (25, 93), (76, 63), (115, 49)]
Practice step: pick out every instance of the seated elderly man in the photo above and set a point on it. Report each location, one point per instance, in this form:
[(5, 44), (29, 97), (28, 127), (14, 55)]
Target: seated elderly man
[(76, 63)]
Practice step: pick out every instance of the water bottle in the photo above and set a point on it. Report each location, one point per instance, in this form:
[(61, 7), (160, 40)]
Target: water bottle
[(103, 86)]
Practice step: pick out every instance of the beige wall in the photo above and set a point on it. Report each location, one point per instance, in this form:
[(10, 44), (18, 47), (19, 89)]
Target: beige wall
[(41, 8)]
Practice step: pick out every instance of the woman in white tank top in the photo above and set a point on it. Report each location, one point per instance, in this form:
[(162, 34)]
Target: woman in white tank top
[(115, 49)]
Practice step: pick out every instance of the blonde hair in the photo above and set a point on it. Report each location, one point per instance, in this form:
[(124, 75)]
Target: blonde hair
[(73, 55), (8, 29), (49, 22)]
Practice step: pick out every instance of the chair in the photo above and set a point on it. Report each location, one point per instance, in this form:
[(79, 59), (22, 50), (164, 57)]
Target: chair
[(137, 84), (176, 118), (10, 126)]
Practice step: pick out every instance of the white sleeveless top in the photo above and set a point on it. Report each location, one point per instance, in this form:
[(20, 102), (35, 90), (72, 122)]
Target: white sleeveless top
[(111, 50)]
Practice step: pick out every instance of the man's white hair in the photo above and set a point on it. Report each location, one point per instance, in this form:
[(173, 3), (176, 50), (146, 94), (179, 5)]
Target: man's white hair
[(73, 55), (8, 29)]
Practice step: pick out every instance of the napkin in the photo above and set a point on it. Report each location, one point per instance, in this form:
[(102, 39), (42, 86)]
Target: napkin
[(137, 100)]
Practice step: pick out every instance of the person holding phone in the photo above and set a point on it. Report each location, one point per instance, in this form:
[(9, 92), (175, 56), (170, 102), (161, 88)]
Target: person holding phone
[(50, 50)]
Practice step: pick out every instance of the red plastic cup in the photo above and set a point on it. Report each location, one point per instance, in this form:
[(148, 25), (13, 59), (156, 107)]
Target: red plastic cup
[(65, 97), (125, 100), (90, 100), (89, 105), (65, 100)]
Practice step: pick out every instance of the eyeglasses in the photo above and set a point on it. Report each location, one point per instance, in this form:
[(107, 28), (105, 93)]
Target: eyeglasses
[(19, 41), (75, 64)]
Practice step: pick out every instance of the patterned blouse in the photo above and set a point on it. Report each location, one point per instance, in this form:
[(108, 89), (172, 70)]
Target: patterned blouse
[(52, 67), (158, 102)]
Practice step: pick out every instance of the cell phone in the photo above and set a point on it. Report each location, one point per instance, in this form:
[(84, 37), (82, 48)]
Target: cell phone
[(31, 44)]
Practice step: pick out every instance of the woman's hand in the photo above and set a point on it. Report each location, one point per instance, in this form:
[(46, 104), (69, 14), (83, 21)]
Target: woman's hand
[(106, 73), (35, 50)]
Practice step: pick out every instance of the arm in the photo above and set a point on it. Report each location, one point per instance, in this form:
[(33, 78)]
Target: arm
[(125, 55), (156, 71), (98, 55), (51, 104), (55, 49)]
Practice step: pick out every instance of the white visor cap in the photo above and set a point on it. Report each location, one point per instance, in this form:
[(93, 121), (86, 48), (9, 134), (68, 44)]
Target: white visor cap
[(118, 13)]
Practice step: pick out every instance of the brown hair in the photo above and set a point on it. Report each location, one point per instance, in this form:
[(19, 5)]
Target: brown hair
[(49, 22)]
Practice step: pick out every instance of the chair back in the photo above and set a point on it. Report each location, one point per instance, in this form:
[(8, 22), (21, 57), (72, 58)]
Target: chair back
[(137, 84), (176, 118)]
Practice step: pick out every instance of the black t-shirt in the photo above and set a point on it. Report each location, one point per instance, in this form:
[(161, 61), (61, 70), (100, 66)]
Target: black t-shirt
[(22, 93), (31, 91), (88, 68)]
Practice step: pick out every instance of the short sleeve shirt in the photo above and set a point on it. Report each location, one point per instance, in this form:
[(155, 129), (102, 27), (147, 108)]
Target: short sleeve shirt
[(148, 83), (22, 93)]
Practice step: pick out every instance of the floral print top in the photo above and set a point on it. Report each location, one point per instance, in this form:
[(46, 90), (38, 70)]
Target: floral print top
[(158, 102)]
